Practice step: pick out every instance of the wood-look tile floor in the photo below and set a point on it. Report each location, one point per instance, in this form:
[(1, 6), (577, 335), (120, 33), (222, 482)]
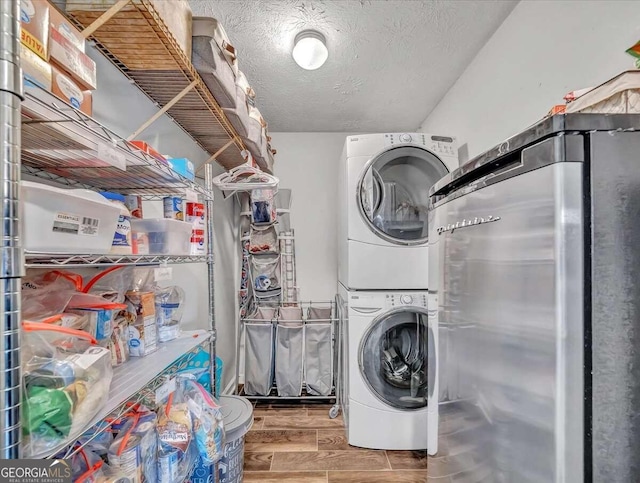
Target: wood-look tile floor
[(301, 444)]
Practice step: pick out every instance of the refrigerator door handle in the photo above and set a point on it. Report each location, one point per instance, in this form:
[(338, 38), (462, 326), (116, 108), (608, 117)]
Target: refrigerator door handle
[(433, 389)]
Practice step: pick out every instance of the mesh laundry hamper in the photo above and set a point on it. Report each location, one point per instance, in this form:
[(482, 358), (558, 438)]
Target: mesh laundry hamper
[(318, 353), (289, 350)]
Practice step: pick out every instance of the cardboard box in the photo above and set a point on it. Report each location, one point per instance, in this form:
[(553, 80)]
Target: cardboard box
[(65, 55), (141, 316), (59, 22), (69, 91), (34, 26), (183, 167), (35, 71)]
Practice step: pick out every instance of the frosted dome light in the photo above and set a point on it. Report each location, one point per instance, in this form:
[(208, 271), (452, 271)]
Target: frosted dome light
[(310, 51)]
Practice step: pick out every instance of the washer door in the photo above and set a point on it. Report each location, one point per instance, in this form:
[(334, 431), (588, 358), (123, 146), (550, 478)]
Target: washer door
[(393, 193), (393, 358)]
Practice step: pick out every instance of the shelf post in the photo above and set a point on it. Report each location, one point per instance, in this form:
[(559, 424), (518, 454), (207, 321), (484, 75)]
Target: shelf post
[(208, 177), (11, 258)]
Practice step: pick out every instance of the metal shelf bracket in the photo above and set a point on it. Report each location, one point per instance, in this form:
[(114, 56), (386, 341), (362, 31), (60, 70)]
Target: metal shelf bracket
[(104, 18), (161, 112)]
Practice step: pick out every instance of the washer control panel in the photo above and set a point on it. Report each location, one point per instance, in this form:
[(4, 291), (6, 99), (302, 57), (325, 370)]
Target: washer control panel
[(406, 299)]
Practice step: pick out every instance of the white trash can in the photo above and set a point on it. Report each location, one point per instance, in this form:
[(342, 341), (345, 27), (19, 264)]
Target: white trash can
[(237, 413)]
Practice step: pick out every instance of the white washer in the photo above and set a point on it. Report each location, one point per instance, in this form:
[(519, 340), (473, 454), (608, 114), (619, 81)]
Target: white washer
[(384, 193), (387, 370)]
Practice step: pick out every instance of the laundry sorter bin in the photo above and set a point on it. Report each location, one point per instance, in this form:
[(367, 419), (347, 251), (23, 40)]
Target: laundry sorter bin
[(289, 352), (301, 337), (259, 352), (318, 351)]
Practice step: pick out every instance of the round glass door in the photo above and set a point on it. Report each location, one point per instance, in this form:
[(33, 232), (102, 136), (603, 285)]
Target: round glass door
[(393, 358), (394, 193)]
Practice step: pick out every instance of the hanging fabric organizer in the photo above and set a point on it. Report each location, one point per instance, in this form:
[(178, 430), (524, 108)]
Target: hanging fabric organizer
[(288, 344)]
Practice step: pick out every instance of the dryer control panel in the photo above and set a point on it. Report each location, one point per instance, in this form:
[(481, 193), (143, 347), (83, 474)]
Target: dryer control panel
[(441, 145), (406, 299)]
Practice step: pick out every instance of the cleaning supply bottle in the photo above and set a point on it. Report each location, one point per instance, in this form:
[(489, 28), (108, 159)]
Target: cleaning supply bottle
[(121, 244)]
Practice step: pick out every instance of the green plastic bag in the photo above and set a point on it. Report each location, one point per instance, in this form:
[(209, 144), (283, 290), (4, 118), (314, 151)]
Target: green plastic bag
[(47, 412)]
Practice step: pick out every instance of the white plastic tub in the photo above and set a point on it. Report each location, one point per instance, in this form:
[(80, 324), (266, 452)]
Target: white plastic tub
[(66, 221), (166, 236)]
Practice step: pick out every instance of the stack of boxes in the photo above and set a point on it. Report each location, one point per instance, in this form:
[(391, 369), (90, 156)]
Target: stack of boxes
[(53, 55)]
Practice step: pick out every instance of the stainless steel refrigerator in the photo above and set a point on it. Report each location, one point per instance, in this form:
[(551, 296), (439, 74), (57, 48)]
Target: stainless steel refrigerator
[(535, 308)]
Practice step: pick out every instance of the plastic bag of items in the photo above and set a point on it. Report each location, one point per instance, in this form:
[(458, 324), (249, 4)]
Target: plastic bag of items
[(134, 450), (66, 378), (177, 451), (88, 467), (101, 314), (169, 308), (47, 295), (208, 427), (111, 284)]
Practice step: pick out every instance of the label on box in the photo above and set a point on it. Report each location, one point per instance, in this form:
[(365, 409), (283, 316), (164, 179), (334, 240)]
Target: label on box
[(72, 224), (33, 43), (111, 155)]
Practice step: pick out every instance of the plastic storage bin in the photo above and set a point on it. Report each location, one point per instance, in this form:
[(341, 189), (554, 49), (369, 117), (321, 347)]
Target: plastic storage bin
[(245, 117), (66, 221), (166, 236), (213, 57)]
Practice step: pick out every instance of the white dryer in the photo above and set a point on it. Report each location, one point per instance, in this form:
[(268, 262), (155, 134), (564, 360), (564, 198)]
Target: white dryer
[(384, 192), (386, 377)]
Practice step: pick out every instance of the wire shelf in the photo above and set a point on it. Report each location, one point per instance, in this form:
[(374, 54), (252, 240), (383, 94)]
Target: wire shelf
[(131, 378), (62, 144), (137, 42), (57, 260)]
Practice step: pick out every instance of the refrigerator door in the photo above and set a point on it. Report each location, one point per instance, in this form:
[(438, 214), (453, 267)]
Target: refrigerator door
[(508, 314)]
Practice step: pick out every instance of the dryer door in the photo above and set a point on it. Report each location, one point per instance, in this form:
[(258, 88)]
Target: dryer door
[(393, 358), (393, 193)]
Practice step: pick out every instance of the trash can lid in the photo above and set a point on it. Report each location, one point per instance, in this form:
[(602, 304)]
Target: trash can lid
[(237, 413)]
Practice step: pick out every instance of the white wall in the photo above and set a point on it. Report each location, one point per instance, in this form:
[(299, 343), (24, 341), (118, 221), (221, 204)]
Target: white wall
[(308, 164), (122, 107), (543, 50)]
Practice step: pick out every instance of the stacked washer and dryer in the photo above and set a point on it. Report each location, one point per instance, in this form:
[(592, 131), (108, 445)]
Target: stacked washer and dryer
[(383, 282)]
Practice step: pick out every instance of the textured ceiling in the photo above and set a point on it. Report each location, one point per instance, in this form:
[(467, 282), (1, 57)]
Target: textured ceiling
[(390, 62)]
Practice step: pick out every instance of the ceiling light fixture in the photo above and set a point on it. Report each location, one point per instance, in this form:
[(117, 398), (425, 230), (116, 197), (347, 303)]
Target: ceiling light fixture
[(310, 49)]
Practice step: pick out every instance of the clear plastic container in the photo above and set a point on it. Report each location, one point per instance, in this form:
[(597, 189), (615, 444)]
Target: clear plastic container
[(166, 237), (121, 244)]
